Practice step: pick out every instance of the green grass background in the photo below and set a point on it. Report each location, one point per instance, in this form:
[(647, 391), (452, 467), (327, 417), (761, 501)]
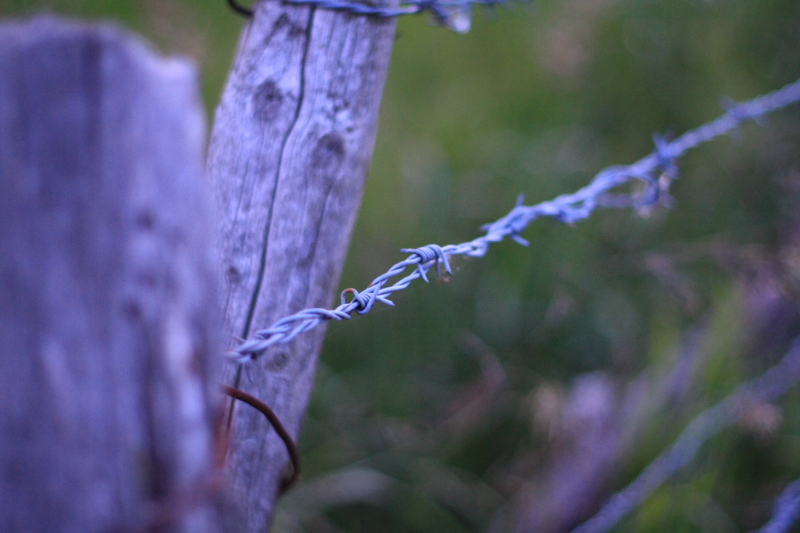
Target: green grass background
[(450, 411)]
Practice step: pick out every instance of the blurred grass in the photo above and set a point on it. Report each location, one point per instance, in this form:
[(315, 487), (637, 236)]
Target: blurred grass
[(461, 396)]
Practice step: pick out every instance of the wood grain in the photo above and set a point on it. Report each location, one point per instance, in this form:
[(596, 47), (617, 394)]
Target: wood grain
[(290, 151)]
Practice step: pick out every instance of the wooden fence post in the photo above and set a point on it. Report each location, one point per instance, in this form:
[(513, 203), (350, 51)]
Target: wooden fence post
[(109, 324), (290, 150)]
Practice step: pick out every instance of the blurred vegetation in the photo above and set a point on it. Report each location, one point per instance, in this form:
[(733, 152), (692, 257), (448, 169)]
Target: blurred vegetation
[(517, 396)]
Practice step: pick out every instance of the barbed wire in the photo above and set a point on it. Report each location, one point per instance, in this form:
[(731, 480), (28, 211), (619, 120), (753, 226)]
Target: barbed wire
[(656, 171), (453, 14), (786, 510), (770, 386)]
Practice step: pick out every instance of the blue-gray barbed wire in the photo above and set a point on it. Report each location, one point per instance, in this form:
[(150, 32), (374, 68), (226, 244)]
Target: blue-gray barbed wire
[(786, 510), (656, 171), (770, 386), (452, 14)]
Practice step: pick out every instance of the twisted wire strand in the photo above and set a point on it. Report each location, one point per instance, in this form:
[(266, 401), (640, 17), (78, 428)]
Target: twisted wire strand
[(444, 11), (770, 386), (656, 171)]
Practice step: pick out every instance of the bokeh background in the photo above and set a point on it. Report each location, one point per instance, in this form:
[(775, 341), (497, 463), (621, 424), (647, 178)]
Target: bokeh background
[(518, 395)]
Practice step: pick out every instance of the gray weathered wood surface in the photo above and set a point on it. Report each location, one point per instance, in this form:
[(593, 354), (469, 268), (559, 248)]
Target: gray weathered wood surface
[(290, 150), (109, 321)]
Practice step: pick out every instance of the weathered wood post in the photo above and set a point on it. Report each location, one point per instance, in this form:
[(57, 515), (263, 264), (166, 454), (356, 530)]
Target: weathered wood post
[(290, 150), (109, 323)]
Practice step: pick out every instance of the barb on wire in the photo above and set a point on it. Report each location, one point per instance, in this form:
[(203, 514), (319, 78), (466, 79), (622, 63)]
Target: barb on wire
[(770, 386), (656, 171), (786, 512), (452, 14)]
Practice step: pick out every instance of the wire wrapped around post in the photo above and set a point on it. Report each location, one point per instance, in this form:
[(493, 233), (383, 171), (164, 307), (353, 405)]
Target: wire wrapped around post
[(291, 447)]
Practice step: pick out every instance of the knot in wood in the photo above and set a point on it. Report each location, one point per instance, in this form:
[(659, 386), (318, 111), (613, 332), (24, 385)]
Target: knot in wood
[(328, 155), (267, 101)]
